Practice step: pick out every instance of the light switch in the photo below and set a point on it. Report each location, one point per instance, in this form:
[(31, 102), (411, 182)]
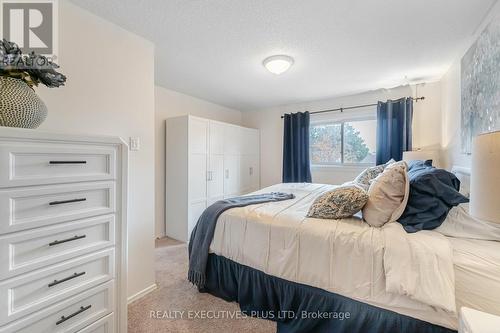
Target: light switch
[(135, 143)]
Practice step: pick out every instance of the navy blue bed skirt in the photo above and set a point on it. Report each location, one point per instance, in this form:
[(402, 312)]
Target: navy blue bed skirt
[(299, 308)]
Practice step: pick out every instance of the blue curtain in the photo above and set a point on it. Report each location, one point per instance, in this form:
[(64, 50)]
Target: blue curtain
[(394, 120), (296, 165)]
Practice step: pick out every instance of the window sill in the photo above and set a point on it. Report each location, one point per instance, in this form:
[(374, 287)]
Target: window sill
[(339, 167)]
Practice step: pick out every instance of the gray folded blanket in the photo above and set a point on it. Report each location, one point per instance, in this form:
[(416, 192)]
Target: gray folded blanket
[(203, 232)]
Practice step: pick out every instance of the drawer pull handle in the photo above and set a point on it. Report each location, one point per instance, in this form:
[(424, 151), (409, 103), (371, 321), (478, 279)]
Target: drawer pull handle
[(56, 242), (67, 162), (56, 282), (53, 203), (64, 318)]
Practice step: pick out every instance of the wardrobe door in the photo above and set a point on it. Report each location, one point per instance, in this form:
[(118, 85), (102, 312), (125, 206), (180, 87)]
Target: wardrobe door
[(198, 136), (216, 162), (231, 175), (232, 139), (195, 211), (197, 177), (255, 153), (250, 176), (216, 138), (254, 173), (198, 145), (245, 174), (215, 178), (250, 141), (198, 169), (254, 139)]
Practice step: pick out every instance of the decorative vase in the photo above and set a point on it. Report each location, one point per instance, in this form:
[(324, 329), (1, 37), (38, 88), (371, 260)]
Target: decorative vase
[(20, 106)]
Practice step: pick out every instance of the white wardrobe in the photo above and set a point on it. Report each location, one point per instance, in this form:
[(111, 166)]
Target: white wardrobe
[(206, 161)]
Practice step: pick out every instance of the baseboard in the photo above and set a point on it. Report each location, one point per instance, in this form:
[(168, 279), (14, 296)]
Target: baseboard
[(141, 293)]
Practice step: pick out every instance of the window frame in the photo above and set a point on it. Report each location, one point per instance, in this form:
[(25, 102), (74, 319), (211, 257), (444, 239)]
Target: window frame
[(341, 122)]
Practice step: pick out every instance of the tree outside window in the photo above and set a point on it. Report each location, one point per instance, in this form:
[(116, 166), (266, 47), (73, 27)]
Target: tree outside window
[(346, 142)]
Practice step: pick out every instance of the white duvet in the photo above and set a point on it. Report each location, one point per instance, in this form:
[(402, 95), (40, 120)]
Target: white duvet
[(411, 274)]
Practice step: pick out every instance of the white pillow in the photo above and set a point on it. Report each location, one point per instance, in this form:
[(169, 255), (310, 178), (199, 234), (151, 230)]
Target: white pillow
[(460, 224), (387, 195)]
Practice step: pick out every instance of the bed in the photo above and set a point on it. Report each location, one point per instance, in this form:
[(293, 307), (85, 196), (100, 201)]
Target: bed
[(273, 262)]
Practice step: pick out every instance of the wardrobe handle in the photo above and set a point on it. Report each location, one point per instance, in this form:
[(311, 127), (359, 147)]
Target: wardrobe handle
[(64, 318), (251, 171), (67, 162), (53, 203), (56, 242), (227, 173), (56, 282)]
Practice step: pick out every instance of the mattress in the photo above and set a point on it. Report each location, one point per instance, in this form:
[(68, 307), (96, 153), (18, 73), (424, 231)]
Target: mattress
[(277, 239)]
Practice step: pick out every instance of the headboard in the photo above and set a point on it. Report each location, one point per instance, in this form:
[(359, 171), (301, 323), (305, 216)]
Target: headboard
[(463, 174)]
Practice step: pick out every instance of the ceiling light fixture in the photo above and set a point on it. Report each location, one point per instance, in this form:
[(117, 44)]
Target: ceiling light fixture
[(278, 64)]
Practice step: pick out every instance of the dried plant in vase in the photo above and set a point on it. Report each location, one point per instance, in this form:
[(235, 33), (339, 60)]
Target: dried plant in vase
[(20, 106)]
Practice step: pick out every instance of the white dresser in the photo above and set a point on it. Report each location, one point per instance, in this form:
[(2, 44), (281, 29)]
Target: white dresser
[(62, 233), (206, 161)]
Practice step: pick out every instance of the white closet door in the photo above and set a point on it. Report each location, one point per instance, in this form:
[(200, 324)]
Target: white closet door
[(232, 139), (215, 178), (254, 139), (231, 175), (198, 136), (198, 146), (195, 211), (250, 141), (216, 138), (198, 170), (246, 174), (197, 177), (255, 158), (250, 173), (255, 173)]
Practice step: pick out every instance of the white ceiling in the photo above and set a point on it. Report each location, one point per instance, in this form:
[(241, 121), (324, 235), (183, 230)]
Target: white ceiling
[(213, 49)]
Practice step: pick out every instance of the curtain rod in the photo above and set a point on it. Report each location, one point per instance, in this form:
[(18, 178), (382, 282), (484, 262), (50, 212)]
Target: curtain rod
[(354, 107)]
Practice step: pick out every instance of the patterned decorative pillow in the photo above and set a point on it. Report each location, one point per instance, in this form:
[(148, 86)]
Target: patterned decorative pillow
[(364, 178), (338, 203)]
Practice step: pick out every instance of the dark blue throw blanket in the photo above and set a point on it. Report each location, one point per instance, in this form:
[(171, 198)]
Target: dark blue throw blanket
[(203, 232), (433, 192), (299, 308)]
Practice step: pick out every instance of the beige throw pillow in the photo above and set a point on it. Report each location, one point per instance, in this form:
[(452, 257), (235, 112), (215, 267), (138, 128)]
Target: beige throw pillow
[(344, 201), (387, 195)]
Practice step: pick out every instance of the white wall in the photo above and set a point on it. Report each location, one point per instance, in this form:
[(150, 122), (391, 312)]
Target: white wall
[(168, 104), (426, 128), (110, 91), (451, 118)]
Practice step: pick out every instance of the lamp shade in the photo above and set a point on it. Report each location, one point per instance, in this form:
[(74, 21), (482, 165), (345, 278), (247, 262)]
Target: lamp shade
[(485, 177), (423, 155)]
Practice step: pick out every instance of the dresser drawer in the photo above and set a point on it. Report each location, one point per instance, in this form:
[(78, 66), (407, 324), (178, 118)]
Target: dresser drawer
[(31, 207), (104, 325), (32, 292), (25, 251), (70, 315), (24, 164)]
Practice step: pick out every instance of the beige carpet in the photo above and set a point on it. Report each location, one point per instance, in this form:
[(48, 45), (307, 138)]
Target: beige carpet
[(175, 293)]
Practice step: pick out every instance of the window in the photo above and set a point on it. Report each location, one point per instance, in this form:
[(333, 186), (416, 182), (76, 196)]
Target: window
[(348, 142)]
